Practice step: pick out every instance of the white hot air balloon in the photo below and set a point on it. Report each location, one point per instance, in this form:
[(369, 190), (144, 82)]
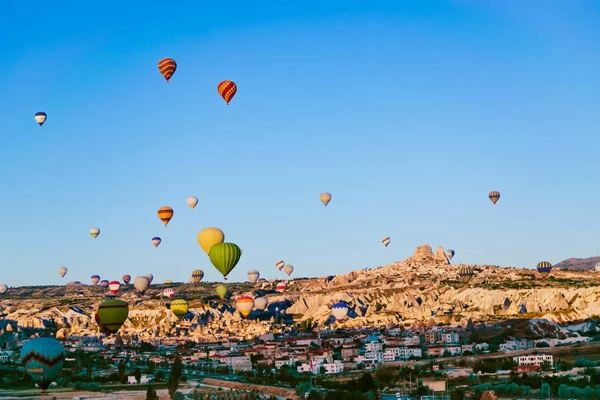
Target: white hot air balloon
[(279, 264), (169, 293), (386, 240), (253, 275), (94, 232), (40, 117), (3, 288), (62, 271), (281, 286), (288, 269), (339, 310), (192, 201), (150, 277), (141, 283), (260, 303)]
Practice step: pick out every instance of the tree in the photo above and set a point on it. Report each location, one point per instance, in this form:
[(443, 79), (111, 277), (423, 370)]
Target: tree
[(458, 394), (173, 382), (314, 395), (159, 376), (122, 370), (138, 375), (151, 393)]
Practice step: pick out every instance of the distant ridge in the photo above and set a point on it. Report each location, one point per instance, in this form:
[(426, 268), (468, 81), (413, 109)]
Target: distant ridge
[(578, 264)]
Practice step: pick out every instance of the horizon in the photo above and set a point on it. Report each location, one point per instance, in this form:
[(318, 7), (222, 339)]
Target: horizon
[(408, 114)]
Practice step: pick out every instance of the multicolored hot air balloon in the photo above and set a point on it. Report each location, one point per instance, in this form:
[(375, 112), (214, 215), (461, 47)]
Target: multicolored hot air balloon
[(95, 279), (126, 278), (245, 304), (227, 89), (253, 275), (40, 117), (544, 268), (224, 257), (114, 287), (141, 283), (260, 303), (465, 273), (339, 310), (156, 241), (281, 286), (192, 201), (222, 291), (288, 269), (150, 277), (167, 67), (111, 315), (94, 232), (43, 359), (197, 276), (279, 264), (104, 284), (62, 271), (325, 198), (169, 293), (165, 214), (494, 196), (450, 253), (386, 240), (208, 237), (180, 308), (3, 288)]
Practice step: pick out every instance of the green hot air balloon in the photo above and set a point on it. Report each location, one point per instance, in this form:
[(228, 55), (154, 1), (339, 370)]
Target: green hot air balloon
[(111, 315), (179, 307), (225, 256), (222, 291), (43, 359)]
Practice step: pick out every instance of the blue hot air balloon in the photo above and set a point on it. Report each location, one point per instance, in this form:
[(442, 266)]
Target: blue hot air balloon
[(339, 310), (43, 359)]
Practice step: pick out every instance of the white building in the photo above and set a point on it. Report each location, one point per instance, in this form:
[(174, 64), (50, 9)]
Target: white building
[(373, 346), (450, 338), (537, 359), (334, 367), (237, 362)]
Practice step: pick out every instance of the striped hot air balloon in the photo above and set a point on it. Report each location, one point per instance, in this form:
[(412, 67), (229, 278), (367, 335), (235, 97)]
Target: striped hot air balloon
[(156, 241), (169, 293), (253, 275), (126, 278), (339, 310), (104, 284), (279, 264), (43, 359), (95, 279), (245, 304), (167, 67), (227, 89), (465, 273), (150, 277), (224, 257), (165, 214), (544, 268), (114, 286), (197, 276), (94, 232), (325, 198), (111, 315), (40, 117), (179, 307), (281, 286), (386, 240), (494, 196), (260, 303)]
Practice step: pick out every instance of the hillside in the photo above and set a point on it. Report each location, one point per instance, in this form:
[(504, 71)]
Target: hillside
[(422, 288), (579, 264)]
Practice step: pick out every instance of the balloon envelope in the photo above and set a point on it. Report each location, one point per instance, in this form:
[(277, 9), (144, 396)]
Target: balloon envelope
[(126, 278), (450, 253), (224, 257), (227, 89), (169, 293), (167, 67), (281, 286), (260, 303), (339, 310), (111, 315), (325, 198), (245, 304), (114, 286), (95, 279), (279, 264), (150, 277), (192, 201), (141, 283), (208, 237), (197, 276), (253, 275), (165, 214), (40, 117), (43, 359), (386, 240), (179, 307), (156, 241), (3, 288), (104, 284), (62, 271), (494, 196), (544, 268), (222, 291), (288, 269), (94, 232)]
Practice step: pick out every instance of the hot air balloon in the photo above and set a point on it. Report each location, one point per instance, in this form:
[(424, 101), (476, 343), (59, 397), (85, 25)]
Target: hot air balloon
[(3, 288), (227, 90), (165, 214), (179, 307), (288, 269), (494, 196), (197, 276), (43, 359), (167, 67), (126, 278), (597, 267), (95, 279), (260, 303), (94, 232), (156, 241), (325, 198), (40, 117), (168, 282), (192, 201), (150, 277), (169, 293), (450, 253), (141, 283), (544, 268), (111, 315), (62, 271), (192, 280), (222, 291), (339, 310), (253, 275), (386, 240), (114, 287), (281, 286), (224, 257), (279, 264), (208, 237), (466, 273), (104, 284), (245, 304)]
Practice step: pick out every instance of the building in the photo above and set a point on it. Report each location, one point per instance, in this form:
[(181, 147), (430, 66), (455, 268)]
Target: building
[(537, 359)]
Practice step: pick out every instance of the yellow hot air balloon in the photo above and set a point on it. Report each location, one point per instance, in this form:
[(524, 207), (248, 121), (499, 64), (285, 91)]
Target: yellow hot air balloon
[(494, 196), (208, 237), (179, 307), (62, 271), (325, 198), (94, 232), (165, 214)]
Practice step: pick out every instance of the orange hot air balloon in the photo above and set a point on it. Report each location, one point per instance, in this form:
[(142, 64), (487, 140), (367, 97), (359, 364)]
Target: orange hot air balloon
[(167, 67), (165, 214), (227, 90)]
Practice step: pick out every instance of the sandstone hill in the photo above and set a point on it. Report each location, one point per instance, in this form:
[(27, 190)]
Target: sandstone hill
[(582, 264)]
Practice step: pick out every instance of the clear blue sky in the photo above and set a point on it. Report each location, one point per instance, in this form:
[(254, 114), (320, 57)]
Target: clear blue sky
[(408, 112)]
